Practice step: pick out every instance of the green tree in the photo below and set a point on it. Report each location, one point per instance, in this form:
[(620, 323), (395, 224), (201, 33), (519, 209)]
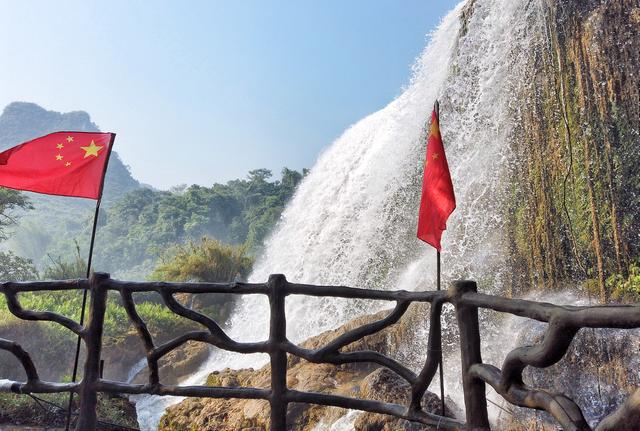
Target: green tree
[(135, 231), (12, 267), (10, 201), (16, 268)]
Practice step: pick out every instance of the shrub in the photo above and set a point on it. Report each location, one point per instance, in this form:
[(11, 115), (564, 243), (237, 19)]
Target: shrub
[(626, 289)]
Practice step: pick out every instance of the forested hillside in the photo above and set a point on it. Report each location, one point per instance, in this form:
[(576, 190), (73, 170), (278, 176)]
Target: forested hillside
[(136, 230)]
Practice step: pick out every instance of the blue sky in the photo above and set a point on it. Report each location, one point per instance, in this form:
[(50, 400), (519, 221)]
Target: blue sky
[(203, 91)]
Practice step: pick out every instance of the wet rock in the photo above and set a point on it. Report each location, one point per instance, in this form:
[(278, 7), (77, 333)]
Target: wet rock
[(354, 380), (384, 385)]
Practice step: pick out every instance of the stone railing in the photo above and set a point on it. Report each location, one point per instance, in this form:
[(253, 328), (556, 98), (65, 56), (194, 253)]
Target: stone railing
[(563, 324)]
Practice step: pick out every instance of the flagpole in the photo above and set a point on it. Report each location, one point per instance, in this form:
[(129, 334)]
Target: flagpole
[(436, 107), (88, 274)]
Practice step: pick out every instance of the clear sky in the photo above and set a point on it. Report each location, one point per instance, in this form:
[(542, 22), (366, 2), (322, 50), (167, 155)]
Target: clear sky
[(203, 91)]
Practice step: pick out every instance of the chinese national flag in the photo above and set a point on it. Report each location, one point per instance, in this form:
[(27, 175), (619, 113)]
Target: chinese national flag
[(61, 163), (438, 200)]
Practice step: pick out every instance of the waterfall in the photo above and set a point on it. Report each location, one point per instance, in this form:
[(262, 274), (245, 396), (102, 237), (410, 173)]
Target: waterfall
[(352, 220), (135, 369)]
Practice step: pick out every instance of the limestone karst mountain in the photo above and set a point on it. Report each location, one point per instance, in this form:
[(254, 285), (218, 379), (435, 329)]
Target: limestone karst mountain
[(22, 121)]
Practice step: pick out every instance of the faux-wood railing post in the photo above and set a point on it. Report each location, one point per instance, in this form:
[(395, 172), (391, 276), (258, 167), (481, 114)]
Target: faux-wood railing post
[(277, 335), (475, 400), (92, 337)]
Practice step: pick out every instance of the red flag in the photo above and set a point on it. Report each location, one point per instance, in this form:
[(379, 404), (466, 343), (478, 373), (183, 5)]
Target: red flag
[(61, 163), (438, 200)]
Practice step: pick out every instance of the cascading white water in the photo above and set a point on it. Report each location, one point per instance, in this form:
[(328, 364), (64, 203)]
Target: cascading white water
[(353, 219)]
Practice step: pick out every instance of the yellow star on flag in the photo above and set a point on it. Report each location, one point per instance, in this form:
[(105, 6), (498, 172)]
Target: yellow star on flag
[(59, 157), (60, 146), (69, 138), (91, 150), (68, 164)]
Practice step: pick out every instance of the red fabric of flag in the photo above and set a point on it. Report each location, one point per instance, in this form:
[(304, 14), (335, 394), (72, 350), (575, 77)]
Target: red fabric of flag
[(61, 163), (438, 200)]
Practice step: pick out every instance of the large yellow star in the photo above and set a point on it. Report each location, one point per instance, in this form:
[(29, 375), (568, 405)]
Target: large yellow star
[(91, 150)]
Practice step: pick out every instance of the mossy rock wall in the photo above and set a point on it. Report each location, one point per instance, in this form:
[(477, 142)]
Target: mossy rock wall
[(576, 186)]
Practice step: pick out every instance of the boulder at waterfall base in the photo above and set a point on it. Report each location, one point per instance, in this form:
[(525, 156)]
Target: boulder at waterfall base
[(353, 380)]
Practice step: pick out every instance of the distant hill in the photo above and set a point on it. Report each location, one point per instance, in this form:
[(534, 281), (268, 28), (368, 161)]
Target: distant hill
[(22, 121)]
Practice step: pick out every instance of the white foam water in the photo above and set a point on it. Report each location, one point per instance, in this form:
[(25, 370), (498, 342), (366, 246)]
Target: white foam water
[(352, 220)]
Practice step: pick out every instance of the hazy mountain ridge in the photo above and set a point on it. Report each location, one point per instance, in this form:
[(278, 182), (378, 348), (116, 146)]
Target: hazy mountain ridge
[(23, 121)]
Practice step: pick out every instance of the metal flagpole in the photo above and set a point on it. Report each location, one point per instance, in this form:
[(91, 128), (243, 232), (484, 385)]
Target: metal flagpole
[(436, 107), (84, 294)]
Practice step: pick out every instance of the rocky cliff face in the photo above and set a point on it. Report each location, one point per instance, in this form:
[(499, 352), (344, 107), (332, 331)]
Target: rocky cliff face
[(576, 187)]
